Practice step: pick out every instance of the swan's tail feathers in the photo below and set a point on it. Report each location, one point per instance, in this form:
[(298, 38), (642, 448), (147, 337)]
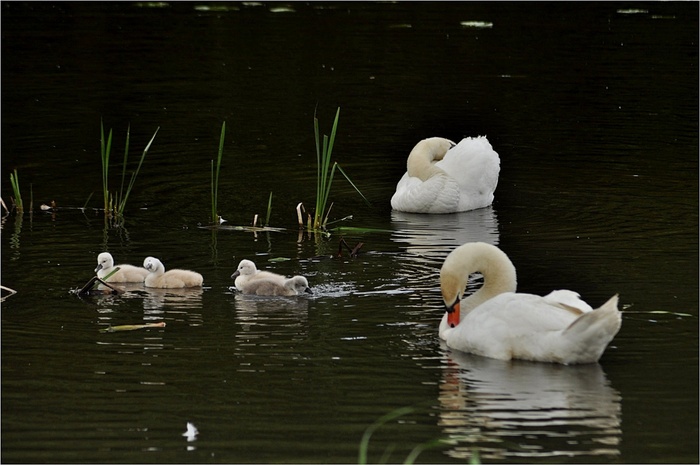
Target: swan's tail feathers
[(590, 333)]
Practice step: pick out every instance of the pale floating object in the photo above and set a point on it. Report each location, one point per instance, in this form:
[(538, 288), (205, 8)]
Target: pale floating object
[(477, 24), (191, 433), (114, 329), (173, 279), (632, 11), (499, 323), (444, 177)]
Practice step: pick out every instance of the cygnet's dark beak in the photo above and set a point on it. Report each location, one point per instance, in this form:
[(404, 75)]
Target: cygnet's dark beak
[(99, 267), (308, 290), (235, 274)]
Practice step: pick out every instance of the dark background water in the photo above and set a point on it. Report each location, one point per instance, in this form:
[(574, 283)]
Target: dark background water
[(592, 107)]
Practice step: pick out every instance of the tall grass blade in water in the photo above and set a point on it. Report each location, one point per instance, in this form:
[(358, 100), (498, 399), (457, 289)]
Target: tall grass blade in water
[(269, 210), (215, 178), (116, 204), (123, 198), (364, 443), (126, 157), (14, 180), (105, 149), (325, 173)]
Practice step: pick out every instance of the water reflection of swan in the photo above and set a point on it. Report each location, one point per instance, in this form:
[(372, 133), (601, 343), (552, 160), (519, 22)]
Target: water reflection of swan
[(524, 411), (271, 326), (430, 238), (257, 309), (156, 298), (435, 236)]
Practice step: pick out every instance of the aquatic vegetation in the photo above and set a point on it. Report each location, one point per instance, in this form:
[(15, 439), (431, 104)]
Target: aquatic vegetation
[(215, 218), (394, 414), (269, 210), (114, 204), (325, 173), (14, 180)]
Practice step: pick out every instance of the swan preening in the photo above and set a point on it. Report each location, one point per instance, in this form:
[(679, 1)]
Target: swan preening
[(444, 177), (295, 285), (497, 322), (126, 273), (172, 279), (249, 280)]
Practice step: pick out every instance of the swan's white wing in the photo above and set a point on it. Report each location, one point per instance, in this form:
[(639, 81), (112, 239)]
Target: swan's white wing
[(439, 194), (567, 299), (509, 326), (475, 166)]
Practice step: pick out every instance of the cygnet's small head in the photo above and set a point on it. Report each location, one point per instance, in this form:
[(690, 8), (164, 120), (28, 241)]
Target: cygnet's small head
[(300, 285), (245, 268), (151, 264), (104, 261)]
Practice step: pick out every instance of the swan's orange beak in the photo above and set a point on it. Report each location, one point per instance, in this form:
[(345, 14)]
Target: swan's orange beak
[(453, 314)]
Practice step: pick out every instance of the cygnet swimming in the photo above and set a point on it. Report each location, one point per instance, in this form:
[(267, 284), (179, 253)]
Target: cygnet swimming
[(126, 273), (247, 271), (172, 279), (295, 285)]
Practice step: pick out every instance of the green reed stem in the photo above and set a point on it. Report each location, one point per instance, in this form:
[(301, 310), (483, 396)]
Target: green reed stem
[(215, 177), (126, 157), (325, 172), (116, 204), (14, 180), (122, 202), (105, 148), (364, 443), (269, 210), (324, 179)]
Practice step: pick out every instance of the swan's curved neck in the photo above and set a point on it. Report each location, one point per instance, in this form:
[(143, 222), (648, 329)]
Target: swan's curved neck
[(158, 269), (495, 266), (421, 160)]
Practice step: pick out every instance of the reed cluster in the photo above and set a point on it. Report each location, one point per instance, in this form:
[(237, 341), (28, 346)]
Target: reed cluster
[(325, 172), (115, 203)]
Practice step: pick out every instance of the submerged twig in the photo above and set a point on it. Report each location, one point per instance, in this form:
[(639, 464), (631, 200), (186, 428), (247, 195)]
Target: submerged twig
[(113, 329), (11, 293), (353, 251), (89, 286)]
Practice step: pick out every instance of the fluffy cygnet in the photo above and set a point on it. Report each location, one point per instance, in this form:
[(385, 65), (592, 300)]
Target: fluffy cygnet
[(247, 271), (172, 279), (126, 273), (296, 285)]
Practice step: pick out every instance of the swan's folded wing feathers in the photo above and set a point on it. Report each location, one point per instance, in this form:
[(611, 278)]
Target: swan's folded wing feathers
[(439, 194), (569, 300)]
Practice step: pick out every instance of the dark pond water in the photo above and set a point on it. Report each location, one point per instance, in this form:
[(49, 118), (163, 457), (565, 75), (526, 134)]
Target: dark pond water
[(593, 108)]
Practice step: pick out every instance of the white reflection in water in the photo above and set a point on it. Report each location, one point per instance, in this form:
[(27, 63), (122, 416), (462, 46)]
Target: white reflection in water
[(526, 410), (431, 238), (435, 236), (158, 298), (272, 321)]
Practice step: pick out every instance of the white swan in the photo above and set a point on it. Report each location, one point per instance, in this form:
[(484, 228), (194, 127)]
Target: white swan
[(172, 279), (295, 285), (497, 322), (126, 273), (443, 177), (247, 271)]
